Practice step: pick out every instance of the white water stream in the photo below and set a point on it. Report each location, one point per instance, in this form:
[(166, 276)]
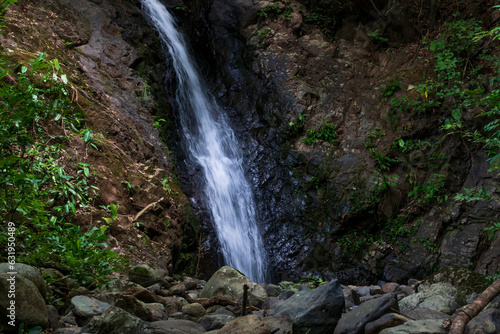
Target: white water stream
[(213, 146)]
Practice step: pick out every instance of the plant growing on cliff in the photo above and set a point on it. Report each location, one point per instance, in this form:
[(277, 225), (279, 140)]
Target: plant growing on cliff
[(37, 193), (327, 133)]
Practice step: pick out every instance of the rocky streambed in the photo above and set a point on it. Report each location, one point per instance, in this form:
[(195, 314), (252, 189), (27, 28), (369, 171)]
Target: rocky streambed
[(146, 300)]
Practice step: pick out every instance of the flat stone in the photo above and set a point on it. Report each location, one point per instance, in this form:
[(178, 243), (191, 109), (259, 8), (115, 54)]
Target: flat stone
[(249, 324), (355, 321), (386, 321), (178, 326), (429, 326), (439, 297), (84, 308)]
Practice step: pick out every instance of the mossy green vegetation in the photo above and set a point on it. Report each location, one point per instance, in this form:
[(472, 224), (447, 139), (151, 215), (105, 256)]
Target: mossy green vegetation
[(38, 192)]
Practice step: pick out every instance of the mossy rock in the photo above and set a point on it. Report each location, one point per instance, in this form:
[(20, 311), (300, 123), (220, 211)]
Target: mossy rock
[(466, 281)]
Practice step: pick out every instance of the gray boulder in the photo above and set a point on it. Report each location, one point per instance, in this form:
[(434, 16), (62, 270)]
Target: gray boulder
[(215, 321), (422, 313), (428, 326), (355, 321), (85, 308), (146, 276), (486, 322), (29, 305), (438, 297), (279, 324), (314, 311), (176, 326), (386, 321), (272, 290), (228, 283), (117, 321), (127, 303), (158, 311), (26, 271), (250, 324), (467, 282)]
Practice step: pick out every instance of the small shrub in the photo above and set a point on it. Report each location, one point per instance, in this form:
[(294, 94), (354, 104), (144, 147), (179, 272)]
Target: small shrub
[(327, 133)]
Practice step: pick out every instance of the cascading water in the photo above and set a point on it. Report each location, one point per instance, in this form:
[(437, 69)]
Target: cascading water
[(212, 144)]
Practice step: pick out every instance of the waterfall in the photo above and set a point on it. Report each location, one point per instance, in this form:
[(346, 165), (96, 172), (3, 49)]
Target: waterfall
[(212, 144)]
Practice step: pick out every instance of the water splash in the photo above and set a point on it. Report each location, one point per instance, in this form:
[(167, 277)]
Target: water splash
[(212, 144)]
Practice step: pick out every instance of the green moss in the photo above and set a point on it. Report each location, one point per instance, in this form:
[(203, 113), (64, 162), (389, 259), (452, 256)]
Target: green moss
[(465, 280)]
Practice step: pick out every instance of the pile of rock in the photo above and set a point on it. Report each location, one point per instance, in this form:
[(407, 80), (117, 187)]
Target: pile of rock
[(150, 302)]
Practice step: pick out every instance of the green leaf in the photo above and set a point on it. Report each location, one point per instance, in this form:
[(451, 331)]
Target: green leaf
[(24, 69), (41, 56), (64, 78), (56, 64), (87, 136)]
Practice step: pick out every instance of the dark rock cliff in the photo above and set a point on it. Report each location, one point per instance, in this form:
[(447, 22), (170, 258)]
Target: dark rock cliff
[(321, 205), (279, 75)]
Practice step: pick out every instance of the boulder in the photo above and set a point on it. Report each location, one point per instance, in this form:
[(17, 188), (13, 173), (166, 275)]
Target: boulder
[(438, 297), (467, 282), (314, 311), (177, 326), (486, 322), (193, 311), (158, 311), (249, 324), (146, 276), (173, 304), (26, 271), (228, 283), (272, 290), (417, 327), (143, 294), (215, 320), (386, 321), (127, 303), (117, 321), (390, 287), (421, 314), (358, 292), (279, 324), (29, 305), (85, 308), (355, 321), (271, 303)]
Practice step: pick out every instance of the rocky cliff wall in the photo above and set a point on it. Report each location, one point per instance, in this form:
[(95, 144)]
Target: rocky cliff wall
[(116, 70), (325, 205)]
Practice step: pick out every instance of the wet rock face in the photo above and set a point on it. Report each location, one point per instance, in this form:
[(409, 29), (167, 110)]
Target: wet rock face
[(270, 72)]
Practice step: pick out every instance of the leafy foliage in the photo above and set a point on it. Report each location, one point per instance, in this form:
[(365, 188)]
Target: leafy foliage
[(37, 192), (327, 133)]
